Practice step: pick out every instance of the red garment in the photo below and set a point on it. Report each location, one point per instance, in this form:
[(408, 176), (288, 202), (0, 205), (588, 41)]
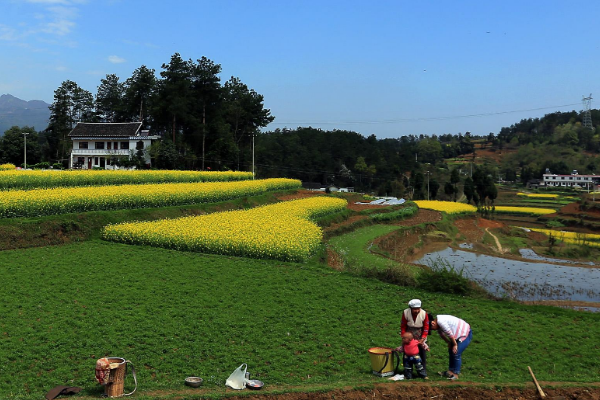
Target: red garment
[(411, 349), (404, 325), (102, 370)]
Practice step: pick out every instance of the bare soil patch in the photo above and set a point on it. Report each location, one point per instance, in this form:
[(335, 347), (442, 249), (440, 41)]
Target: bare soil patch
[(418, 390)]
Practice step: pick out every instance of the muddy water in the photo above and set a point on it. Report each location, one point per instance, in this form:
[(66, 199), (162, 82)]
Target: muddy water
[(524, 280)]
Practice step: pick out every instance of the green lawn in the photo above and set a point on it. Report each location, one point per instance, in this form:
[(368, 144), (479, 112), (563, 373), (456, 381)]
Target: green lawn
[(354, 246), (180, 314)]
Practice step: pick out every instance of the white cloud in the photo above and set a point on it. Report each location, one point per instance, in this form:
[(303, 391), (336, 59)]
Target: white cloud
[(7, 33), (48, 1), (59, 27), (63, 2), (56, 17), (116, 59)]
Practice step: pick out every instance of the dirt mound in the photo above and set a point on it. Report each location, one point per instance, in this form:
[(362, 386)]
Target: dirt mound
[(422, 217)]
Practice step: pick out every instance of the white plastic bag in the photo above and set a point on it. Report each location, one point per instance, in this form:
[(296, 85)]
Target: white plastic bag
[(237, 380)]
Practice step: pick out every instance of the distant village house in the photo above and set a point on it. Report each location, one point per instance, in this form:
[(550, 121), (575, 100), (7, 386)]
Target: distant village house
[(96, 144), (574, 180)]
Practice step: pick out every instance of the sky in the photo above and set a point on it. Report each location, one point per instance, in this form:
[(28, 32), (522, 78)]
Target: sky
[(383, 68)]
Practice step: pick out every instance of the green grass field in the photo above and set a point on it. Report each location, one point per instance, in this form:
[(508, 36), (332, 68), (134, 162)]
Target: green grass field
[(179, 314)]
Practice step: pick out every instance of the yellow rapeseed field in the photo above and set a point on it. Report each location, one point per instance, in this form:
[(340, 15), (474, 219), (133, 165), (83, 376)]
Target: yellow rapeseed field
[(539, 195), (281, 231), (28, 203), (588, 239), (448, 207), (524, 210), (37, 179)]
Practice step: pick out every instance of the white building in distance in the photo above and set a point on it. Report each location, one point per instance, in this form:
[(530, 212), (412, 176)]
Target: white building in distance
[(574, 180), (94, 144)]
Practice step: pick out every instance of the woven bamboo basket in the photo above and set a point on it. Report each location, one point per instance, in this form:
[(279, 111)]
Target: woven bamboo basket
[(116, 379)]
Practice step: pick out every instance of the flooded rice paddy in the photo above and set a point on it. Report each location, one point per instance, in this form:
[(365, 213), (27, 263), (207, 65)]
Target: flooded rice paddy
[(537, 280)]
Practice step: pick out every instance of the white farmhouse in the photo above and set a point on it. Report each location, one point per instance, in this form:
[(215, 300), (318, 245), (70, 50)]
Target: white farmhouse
[(94, 144), (573, 180)]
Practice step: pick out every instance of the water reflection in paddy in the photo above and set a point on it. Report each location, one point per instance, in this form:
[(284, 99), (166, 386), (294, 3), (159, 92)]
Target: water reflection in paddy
[(522, 280)]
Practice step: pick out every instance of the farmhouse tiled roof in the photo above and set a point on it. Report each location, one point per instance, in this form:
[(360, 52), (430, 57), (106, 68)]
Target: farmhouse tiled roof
[(126, 129)]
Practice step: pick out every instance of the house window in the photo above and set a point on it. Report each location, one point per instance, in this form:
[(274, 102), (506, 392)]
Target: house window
[(99, 145), (83, 145), (95, 160), (125, 145), (116, 145), (108, 145)]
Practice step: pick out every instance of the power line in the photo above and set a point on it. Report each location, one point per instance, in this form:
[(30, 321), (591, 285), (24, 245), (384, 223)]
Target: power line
[(393, 121)]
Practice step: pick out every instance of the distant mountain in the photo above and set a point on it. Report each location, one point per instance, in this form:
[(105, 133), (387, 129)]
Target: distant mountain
[(14, 111)]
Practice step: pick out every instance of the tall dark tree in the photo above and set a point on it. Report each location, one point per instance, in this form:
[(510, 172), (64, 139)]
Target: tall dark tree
[(469, 189), (206, 89), (109, 99), (174, 98), (12, 146), (71, 104), (418, 182), (449, 190), (491, 191), (455, 180), (433, 188), (244, 113), (139, 91), (526, 175)]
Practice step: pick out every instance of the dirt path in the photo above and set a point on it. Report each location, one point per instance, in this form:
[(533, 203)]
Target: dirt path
[(500, 249)]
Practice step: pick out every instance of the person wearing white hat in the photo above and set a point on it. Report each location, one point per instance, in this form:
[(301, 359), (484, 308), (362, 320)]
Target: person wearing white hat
[(416, 321)]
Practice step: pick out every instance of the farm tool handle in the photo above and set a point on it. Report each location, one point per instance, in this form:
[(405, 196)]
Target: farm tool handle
[(542, 394)]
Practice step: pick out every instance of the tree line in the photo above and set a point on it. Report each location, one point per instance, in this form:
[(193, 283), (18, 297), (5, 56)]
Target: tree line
[(207, 124), (204, 123)]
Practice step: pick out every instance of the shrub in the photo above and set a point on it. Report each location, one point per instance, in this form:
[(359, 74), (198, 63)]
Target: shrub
[(396, 215), (443, 277), (57, 165), (41, 165), (554, 224)]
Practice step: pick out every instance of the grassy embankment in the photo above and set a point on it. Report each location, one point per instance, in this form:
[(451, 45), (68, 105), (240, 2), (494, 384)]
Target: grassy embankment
[(65, 228)]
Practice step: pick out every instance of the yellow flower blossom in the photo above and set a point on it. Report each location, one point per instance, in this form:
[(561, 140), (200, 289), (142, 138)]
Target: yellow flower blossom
[(26, 203), (448, 207), (281, 231), (538, 195), (524, 210), (25, 179)]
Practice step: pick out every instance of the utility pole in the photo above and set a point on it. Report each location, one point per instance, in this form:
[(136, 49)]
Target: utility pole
[(25, 149), (427, 185)]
